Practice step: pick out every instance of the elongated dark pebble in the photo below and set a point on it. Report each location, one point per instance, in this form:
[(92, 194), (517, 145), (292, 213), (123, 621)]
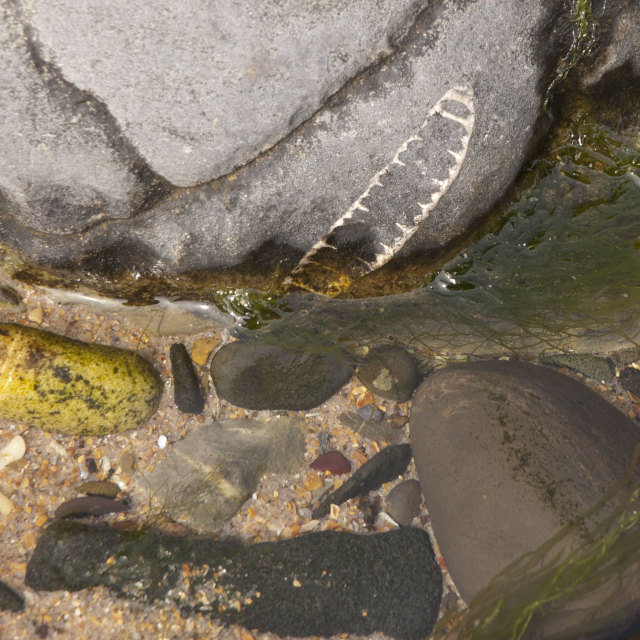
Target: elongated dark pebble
[(89, 506), (383, 467), (186, 386)]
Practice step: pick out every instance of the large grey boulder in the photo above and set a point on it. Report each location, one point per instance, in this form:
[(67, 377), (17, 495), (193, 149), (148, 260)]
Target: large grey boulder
[(508, 453), (171, 137)]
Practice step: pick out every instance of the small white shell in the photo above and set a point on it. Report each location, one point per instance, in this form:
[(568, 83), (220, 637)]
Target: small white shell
[(5, 505), (12, 451)]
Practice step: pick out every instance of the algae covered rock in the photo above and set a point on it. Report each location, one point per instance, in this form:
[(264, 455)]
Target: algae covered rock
[(319, 584), (60, 384)]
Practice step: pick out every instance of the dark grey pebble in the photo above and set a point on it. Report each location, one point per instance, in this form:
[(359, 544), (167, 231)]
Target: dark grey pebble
[(385, 466), (319, 584), (254, 375), (10, 600), (186, 385), (403, 501), (89, 506), (391, 372)]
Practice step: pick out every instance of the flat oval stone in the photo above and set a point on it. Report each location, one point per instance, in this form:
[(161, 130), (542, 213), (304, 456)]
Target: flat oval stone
[(254, 375), (507, 453), (89, 506)]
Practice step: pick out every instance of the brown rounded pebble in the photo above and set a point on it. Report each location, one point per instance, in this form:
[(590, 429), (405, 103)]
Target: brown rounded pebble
[(397, 422), (92, 506), (333, 461), (102, 488), (403, 502)]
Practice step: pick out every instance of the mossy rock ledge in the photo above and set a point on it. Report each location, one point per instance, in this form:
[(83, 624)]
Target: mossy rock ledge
[(59, 384)]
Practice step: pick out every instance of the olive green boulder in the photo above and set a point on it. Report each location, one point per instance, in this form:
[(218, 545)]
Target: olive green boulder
[(56, 383)]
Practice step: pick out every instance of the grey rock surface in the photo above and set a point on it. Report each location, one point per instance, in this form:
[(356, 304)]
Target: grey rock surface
[(200, 88), (171, 137), (65, 165), (210, 474), (507, 453), (321, 156)]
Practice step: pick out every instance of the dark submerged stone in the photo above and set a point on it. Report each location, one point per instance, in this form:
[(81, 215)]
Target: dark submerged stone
[(186, 386), (319, 584), (255, 375)]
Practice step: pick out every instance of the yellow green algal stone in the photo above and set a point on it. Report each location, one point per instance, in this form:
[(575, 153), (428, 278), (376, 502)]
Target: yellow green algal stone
[(60, 384)]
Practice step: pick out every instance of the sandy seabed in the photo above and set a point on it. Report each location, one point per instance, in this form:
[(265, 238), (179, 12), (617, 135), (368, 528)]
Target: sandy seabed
[(55, 464)]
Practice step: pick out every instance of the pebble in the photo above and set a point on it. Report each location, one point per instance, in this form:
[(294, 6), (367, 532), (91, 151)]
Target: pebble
[(379, 431), (385, 466), (403, 502), (13, 450), (334, 462), (6, 506), (630, 380), (208, 475), (370, 413), (10, 600), (10, 299), (397, 422), (102, 488), (391, 372), (254, 375), (202, 349), (60, 384), (36, 315), (186, 385), (127, 463), (594, 367), (89, 506)]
